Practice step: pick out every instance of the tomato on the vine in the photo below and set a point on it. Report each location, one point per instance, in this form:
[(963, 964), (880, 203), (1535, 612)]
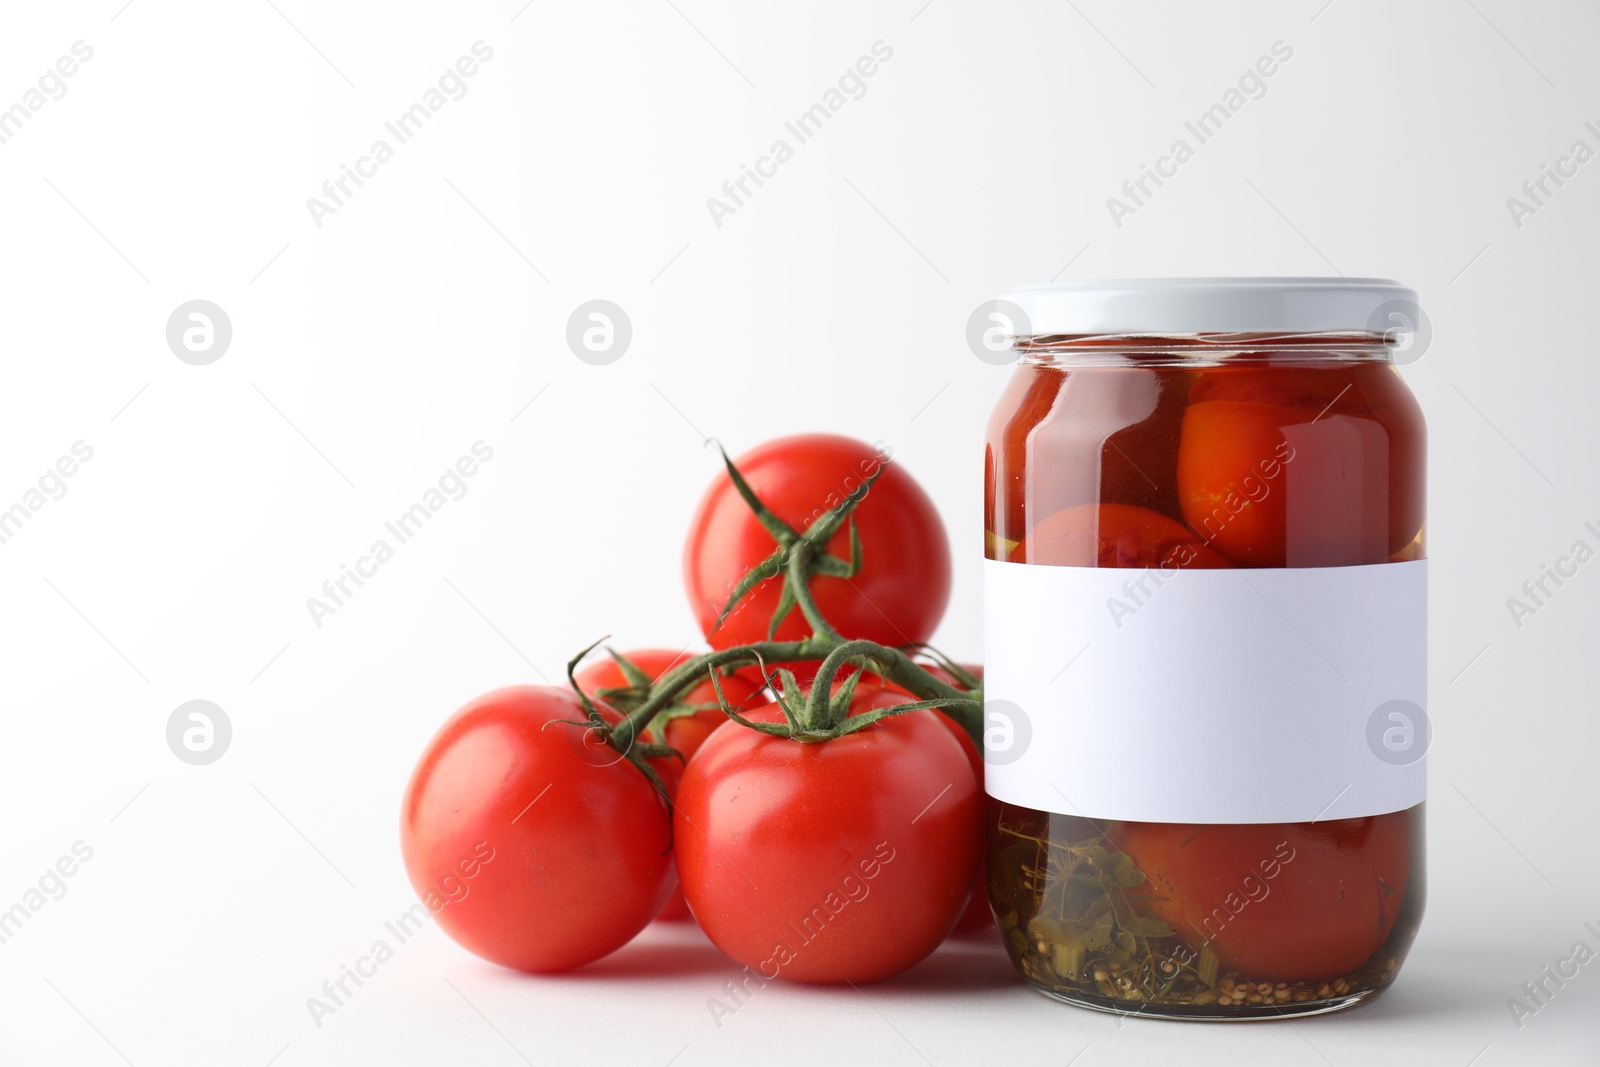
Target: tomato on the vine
[(536, 845), (690, 719), (845, 860), (1114, 535), (1278, 902), (898, 595)]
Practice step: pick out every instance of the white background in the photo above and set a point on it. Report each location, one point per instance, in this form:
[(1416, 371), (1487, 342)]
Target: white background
[(430, 310)]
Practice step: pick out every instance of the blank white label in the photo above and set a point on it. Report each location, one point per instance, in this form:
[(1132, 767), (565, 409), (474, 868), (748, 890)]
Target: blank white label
[(1206, 696)]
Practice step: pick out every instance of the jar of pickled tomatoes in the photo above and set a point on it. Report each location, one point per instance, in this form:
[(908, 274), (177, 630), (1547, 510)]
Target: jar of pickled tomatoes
[(1205, 641)]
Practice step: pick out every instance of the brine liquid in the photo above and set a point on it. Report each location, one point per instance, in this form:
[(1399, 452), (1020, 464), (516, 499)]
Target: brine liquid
[(1074, 932)]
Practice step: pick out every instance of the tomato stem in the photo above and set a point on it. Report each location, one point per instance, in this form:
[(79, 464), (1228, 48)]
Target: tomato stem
[(799, 557), (691, 672), (798, 577), (891, 664)]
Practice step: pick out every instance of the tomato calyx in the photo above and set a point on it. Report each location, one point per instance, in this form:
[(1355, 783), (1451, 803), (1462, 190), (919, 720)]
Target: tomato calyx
[(802, 552), (813, 716), (624, 735), (823, 712), (626, 698)]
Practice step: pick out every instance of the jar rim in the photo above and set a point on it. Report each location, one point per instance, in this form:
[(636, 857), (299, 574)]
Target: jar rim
[(1205, 350), (1210, 307)]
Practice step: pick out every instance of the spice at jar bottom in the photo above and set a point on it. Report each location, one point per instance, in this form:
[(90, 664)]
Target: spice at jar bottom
[(1205, 623)]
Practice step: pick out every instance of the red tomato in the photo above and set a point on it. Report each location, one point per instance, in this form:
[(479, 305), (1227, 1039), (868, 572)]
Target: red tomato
[(533, 843), (1302, 466), (1297, 902), (896, 598), (684, 732), (1231, 478), (839, 861), (1113, 535)]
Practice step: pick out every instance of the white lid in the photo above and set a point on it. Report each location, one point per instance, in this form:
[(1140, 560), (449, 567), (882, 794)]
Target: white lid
[(1209, 305)]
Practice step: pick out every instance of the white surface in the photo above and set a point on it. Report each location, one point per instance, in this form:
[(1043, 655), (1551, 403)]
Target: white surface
[(1207, 305), (178, 564), (1216, 677)]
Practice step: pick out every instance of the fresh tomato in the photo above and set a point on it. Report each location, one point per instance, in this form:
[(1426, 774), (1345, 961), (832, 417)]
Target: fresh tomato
[(1114, 535), (1295, 902), (685, 724), (846, 860), (898, 595), (535, 844), (689, 721), (1302, 466)]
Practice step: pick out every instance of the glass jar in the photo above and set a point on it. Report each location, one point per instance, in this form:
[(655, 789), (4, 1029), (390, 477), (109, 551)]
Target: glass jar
[(1205, 645)]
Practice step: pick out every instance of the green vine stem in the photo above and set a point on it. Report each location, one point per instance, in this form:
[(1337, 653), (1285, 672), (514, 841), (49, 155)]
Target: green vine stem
[(797, 577), (889, 663), (799, 557)]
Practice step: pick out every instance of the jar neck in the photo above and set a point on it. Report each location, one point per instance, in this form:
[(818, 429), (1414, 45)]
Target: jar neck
[(1202, 350)]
